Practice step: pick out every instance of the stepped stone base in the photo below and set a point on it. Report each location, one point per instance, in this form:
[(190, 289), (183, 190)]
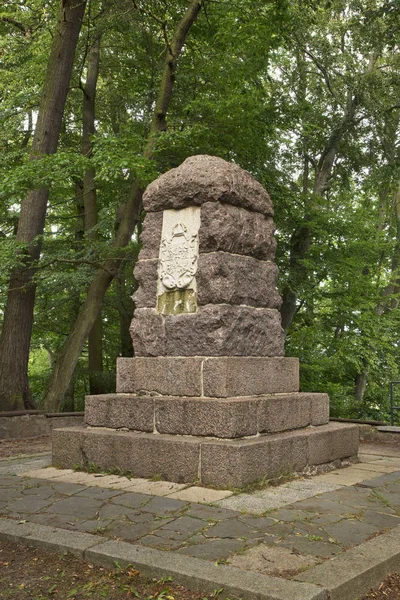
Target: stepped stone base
[(185, 459), (212, 377), (212, 417)]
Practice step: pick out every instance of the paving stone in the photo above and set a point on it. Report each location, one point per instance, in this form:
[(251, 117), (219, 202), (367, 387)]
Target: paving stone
[(3, 505), (230, 529), (348, 476), (132, 532), (382, 521), (78, 506), (280, 562), (214, 549), (115, 482), (382, 480), (67, 489), (290, 515), (55, 520), (317, 505), (186, 525), (280, 529), (131, 500), (265, 500), (118, 511), (6, 495), (18, 465), (98, 493), (351, 532), (211, 513), (259, 523), (200, 494), (163, 506), (156, 488), (47, 473), (94, 525), (322, 520), (376, 468), (312, 485), (42, 492), (10, 480), (316, 548), (28, 505)]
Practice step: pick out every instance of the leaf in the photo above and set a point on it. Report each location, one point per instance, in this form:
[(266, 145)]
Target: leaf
[(72, 593)]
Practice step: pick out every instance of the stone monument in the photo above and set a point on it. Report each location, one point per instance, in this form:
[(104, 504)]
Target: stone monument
[(209, 396)]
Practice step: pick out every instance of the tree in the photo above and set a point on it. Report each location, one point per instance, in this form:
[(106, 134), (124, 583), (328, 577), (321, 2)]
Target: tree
[(18, 317)]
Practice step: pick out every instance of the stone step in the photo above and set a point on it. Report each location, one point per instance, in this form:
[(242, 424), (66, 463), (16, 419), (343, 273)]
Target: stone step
[(221, 463), (215, 417), (212, 377)]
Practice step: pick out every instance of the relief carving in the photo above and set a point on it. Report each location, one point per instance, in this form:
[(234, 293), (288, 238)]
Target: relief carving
[(178, 258)]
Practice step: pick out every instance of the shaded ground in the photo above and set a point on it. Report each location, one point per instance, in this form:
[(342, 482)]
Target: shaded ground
[(30, 573), (388, 590), (25, 446)]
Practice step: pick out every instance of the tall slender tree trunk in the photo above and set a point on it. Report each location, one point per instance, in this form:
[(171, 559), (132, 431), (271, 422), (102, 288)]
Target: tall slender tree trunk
[(71, 350), (95, 341), (18, 317)]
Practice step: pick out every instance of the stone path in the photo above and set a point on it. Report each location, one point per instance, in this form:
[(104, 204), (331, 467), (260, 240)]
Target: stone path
[(280, 531)]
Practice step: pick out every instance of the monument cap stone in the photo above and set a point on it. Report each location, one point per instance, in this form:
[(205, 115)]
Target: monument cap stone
[(204, 178)]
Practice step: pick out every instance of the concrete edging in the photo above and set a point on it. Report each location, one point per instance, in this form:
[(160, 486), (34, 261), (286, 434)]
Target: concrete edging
[(191, 572)]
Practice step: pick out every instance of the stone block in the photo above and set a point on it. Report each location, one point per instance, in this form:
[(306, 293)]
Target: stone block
[(145, 455), (219, 331), (319, 409), (249, 376), (123, 410), (230, 418), (237, 463), (332, 441), (162, 375), (147, 333), (236, 230), (146, 276), (224, 278), (203, 178), (292, 411), (283, 412), (151, 236)]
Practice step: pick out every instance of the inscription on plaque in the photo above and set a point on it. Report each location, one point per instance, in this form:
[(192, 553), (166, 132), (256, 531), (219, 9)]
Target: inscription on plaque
[(179, 249)]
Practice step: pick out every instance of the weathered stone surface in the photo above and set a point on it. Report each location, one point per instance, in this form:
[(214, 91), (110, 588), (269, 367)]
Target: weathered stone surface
[(249, 376), (151, 236), (283, 412), (205, 178), (112, 410), (319, 409), (220, 330), (333, 441), (162, 375), (145, 455), (233, 229), (146, 276), (224, 278), (147, 332), (228, 418), (219, 377)]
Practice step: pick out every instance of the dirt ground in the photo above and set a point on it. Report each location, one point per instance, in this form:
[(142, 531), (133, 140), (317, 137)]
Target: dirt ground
[(34, 574)]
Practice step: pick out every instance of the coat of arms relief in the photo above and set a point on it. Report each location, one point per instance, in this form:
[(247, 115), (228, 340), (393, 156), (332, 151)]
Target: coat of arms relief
[(178, 258)]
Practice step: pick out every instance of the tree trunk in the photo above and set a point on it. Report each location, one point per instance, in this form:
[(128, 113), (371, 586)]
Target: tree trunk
[(95, 341), (360, 384), (18, 317), (71, 350)]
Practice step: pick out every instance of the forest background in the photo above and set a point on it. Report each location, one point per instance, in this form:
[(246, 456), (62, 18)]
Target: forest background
[(98, 97)]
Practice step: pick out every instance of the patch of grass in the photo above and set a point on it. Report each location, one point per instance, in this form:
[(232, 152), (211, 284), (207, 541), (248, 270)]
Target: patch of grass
[(264, 483), (93, 468)]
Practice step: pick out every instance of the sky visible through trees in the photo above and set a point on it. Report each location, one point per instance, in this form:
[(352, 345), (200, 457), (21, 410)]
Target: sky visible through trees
[(99, 97)]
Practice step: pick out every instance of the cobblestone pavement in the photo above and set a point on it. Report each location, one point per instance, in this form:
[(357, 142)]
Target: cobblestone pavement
[(281, 541)]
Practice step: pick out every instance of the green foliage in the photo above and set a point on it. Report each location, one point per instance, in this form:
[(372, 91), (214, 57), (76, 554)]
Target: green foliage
[(271, 98)]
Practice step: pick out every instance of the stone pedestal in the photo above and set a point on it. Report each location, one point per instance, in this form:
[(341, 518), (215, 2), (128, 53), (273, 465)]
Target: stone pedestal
[(209, 395)]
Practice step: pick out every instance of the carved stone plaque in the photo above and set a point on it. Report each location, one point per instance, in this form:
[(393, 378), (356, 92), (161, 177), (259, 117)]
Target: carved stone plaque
[(179, 250)]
